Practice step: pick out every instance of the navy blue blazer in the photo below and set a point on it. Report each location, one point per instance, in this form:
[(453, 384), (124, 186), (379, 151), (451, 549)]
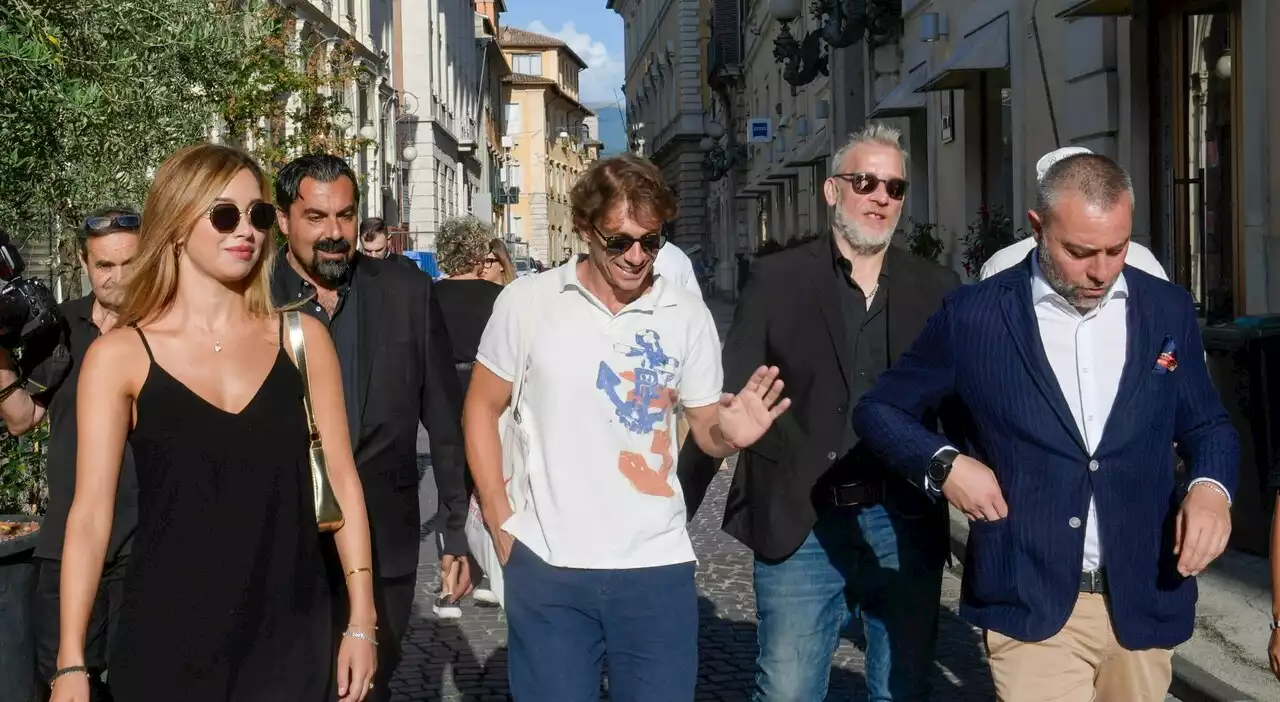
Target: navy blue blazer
[(1022, 573)]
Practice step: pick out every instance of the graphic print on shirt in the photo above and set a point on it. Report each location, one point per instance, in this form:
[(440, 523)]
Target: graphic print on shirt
[(644, 409)]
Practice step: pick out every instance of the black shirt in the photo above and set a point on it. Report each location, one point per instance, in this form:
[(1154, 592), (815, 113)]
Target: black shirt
[(78, 331), (288, 288), (466, 306), (867, 336)]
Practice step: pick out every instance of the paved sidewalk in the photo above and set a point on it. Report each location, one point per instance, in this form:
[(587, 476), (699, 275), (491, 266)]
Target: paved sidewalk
[(466, 659)]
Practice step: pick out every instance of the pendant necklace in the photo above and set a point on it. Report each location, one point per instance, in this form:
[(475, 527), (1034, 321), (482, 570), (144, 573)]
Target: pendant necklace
[(217, 346)]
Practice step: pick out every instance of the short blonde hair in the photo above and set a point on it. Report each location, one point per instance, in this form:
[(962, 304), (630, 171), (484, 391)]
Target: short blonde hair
[(876, 133), (461, 244), (185, 187)]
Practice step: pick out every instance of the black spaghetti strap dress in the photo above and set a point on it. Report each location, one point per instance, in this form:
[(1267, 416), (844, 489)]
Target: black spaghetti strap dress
[(226, 597)]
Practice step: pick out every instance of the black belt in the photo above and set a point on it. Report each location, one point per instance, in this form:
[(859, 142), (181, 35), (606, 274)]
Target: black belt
[(854, 494), (1094, 581)]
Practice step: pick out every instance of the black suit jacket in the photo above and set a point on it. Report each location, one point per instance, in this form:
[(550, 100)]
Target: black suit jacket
[(406, 376), (790, 316)]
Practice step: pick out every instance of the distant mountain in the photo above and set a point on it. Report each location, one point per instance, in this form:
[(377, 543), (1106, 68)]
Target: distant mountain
[(613, 128)]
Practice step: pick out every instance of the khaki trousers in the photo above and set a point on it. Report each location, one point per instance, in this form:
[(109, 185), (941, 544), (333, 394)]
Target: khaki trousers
[(1081, 663)]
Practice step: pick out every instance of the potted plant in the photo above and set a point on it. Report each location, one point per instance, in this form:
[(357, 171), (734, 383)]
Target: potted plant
[(22, 496), (922, 239), (991, 231)]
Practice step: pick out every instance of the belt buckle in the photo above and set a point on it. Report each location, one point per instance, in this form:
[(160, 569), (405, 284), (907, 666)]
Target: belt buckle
[(1093, 577), (838, 502), (835, 497)]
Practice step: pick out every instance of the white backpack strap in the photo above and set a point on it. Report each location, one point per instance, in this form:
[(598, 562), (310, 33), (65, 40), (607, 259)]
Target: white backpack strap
[(532, 305)]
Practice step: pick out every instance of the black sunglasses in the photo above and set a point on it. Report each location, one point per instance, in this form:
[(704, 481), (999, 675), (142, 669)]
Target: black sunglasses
[(619, 244), (225, 217), (106, 222), (866, 183)]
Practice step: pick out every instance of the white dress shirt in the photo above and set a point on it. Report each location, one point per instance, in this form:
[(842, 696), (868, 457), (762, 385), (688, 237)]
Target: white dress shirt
[(1087, 354), (673, 264)]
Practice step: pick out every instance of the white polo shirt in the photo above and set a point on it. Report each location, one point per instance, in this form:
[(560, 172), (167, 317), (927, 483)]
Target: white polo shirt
[(597, 404)]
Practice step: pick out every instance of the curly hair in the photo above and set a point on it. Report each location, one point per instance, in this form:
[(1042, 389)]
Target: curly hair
[(462, 244), (621, 180)]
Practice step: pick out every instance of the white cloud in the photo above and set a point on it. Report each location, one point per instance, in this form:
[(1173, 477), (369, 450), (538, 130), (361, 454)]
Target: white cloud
[(600, 81)]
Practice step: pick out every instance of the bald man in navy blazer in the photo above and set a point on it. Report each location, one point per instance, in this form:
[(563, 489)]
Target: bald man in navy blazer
[(1079, 373)]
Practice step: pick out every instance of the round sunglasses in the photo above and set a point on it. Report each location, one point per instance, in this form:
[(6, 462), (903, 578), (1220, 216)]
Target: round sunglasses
[(866, 183), (225, 217)]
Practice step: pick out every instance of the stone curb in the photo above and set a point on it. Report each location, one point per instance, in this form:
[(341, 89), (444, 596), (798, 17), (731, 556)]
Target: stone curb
[(1191, 683)]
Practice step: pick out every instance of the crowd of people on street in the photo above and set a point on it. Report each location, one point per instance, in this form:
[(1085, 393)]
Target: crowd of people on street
[(233, 466)]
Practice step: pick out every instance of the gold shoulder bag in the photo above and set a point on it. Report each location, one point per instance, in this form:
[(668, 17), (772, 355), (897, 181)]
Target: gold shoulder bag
[(328, 511)]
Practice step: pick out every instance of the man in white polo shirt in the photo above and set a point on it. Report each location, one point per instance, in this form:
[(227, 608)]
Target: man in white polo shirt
[(1138, 256), (600, 567)]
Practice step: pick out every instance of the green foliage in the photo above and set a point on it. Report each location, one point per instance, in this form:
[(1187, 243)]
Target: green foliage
[(94, 94), (23, 489), (922, 239), (991, 231)]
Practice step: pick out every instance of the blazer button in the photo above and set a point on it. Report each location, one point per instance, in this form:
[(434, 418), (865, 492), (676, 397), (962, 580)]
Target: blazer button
[(831, 456), (842, 409), (1074, 522), (1093, 466)]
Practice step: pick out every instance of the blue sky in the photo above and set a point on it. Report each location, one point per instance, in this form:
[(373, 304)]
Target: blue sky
[(589, 29)]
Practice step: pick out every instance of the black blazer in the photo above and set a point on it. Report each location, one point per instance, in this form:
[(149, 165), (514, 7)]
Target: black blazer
[(790, 316), (407, 376)]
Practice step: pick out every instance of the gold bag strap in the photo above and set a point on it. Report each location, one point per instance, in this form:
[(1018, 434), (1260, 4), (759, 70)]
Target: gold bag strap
[(298, 342)]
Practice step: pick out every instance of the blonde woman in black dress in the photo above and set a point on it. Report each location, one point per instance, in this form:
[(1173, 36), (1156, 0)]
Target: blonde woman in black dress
[(226, 597)]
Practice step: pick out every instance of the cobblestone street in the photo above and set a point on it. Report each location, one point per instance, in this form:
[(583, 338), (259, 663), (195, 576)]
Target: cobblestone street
[(466, 659)]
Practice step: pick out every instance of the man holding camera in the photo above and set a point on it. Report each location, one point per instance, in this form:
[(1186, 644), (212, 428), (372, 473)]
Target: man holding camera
[(43, 384)]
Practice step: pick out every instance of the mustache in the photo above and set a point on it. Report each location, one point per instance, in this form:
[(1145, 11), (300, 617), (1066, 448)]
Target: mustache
[(332, 245)]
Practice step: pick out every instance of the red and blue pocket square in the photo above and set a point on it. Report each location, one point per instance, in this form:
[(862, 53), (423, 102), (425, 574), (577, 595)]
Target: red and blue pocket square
[(1167, 361)]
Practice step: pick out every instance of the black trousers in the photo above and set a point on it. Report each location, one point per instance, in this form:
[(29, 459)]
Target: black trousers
[(393, 603), (393, 599), (104, 621)]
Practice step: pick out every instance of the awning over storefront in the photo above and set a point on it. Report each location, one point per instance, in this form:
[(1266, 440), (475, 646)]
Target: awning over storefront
[(904, 100), (815, 151), (1098, 8), (985, 49)]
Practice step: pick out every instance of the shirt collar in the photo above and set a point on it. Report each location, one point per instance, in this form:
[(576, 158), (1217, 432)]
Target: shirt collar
[(1041, 291), (658, 296), (844, 266)]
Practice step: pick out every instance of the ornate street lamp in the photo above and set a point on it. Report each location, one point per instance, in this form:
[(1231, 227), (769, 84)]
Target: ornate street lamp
[(844, 23)]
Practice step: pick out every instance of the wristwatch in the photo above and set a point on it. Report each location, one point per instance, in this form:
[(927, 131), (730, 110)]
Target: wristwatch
[(940, 468)]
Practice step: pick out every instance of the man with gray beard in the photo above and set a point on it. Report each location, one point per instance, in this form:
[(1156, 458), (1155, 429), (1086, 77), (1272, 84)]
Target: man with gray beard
[(835, 534)]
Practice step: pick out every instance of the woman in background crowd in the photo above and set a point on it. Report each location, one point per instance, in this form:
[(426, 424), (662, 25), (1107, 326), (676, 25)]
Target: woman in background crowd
[(225, 596), (477, 266), (504, 272)]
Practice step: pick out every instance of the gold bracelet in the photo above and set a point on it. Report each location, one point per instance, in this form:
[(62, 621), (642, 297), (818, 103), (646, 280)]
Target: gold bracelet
[(353, 571), (69, 670)]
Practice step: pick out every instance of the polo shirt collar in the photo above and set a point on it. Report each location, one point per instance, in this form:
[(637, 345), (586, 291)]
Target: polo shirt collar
[(658, 296)]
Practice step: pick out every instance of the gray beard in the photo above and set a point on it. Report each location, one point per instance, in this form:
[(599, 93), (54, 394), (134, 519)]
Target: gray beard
[(860, 241), (1059, 283)]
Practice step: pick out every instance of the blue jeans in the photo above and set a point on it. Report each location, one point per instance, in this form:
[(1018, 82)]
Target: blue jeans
[(867, 562), (563, 623)]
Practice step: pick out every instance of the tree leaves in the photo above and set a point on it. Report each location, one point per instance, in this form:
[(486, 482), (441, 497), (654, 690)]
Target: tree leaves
[(94, 94)]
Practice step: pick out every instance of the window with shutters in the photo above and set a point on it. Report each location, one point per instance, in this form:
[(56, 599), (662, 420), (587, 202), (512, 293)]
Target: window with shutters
[(529, 64)]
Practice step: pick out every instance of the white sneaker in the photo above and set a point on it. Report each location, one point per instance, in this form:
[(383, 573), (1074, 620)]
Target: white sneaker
[(444, 609), (483, 595)]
